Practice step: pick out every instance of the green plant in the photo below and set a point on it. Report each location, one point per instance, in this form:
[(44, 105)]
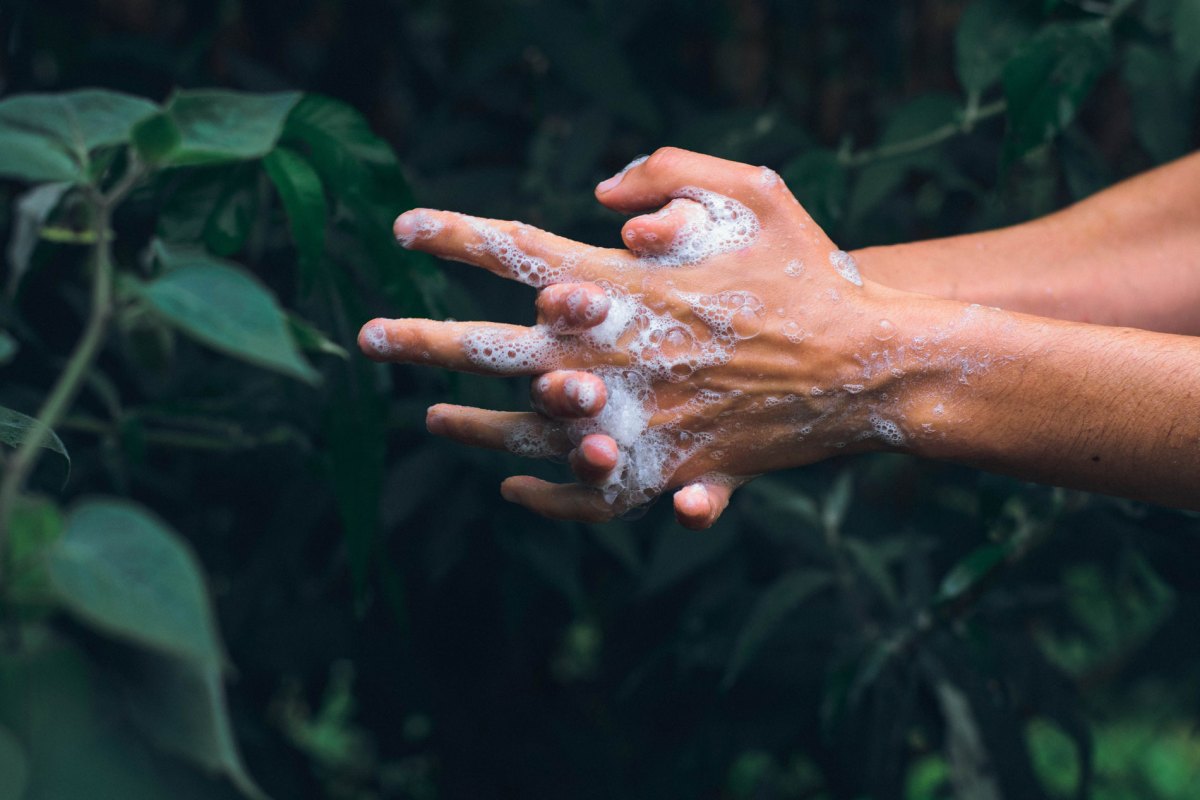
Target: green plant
[(119, 180)]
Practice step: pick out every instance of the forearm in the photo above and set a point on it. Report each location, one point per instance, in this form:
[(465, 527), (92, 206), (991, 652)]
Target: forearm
[(1127, 256), (1090, 407)]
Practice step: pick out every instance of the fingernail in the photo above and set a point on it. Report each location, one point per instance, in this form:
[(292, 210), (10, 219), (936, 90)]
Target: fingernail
[(374, 335), (405, 228), (507, 493), (435, 423), (415, 224), (610, 184)]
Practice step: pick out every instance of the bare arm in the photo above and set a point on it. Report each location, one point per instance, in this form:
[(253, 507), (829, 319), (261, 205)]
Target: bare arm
[(1129, 255), (733, 338)]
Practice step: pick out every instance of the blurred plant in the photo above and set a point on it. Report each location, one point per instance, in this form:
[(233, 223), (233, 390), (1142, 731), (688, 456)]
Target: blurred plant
[(878, 628), (194, 178)]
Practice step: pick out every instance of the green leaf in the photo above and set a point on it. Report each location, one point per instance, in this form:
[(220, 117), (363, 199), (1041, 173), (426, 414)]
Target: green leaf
[(1162, 115), (14, 767), (16, 428), (774, 605), (837, 502), (124, 572), (61, 710), (34, 527), (872, 563), (233, 215), (33, 208), (337, 140), (310, 338), (216, 125), (1047, 81), (988, 34), (1186, 27), (181, 707), (225, 307), (971, 572), (156, 138), (303, 197), (818, 180), (50, 137)]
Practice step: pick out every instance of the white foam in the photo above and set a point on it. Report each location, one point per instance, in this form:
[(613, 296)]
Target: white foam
[(887, 430), (501, 351), (531, 440), (376, 336), (728, 226), (846, 266), (794, 333), (794, 268), (425, 226), (515, 262)]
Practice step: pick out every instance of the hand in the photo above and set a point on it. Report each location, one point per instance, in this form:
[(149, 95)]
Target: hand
[(731, 338)]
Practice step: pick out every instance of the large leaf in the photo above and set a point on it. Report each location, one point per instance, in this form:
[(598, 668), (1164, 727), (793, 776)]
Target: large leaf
[(303, 197), (181, 707), (779, 600), (336, 139), (56, 704), (217, 125), (225, 307), (124, 572), (16, 428), (988, 34), (33, 208), (1047, 81), (49, 137)]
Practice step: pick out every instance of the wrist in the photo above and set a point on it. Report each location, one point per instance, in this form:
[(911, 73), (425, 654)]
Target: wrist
[(922, 360)]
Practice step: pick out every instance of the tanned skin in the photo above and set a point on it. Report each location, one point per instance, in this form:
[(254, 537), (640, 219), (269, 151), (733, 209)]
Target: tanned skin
[(1063, 350)]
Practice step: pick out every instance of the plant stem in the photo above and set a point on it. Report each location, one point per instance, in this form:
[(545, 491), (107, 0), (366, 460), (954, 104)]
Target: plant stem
[(59, 401), (975, 114)]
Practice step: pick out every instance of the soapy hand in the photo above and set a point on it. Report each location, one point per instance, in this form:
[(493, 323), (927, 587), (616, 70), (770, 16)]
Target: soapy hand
[(730, 338)]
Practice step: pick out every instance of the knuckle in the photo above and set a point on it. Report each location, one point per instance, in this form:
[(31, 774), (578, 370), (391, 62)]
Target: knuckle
[(664, 159)]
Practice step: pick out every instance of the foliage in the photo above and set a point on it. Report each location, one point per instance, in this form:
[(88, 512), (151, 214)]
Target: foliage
[(261, 573)]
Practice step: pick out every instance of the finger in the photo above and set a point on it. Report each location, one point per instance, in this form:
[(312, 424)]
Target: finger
[(572, 307), (595, 458), (484, 348), (521, 432), (510, 249), (557, 500), (699, 505), (568, 394), (671, 172), (654, 234)]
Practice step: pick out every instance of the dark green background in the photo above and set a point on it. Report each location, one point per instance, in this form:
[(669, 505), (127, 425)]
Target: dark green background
[(397, 631)]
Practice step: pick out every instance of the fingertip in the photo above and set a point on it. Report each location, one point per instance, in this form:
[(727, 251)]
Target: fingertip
[(435, 419), (373, 340), (595, 458), (693, 507)]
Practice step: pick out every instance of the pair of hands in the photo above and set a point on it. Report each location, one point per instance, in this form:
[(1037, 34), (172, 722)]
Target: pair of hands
[(729, 338)]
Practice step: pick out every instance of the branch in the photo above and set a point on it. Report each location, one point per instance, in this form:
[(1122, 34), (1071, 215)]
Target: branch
[(59, 401), (974, 114)]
